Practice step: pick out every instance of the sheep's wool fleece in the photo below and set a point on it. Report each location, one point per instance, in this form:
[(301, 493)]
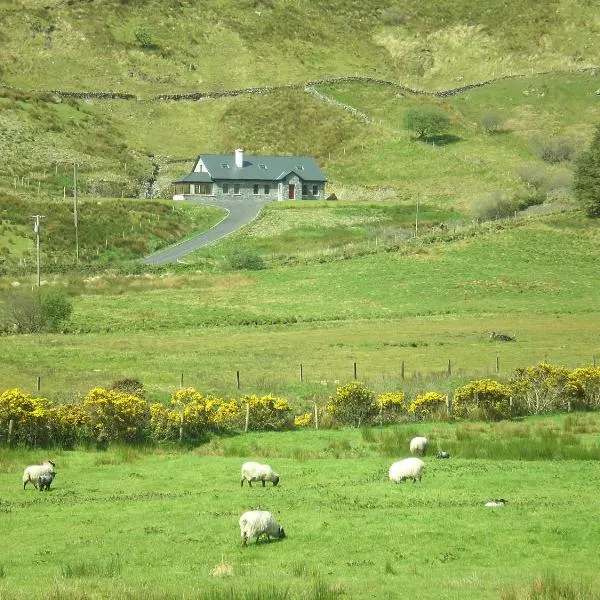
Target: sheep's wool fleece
[(257, 472), (418, 444), (258, 522), (33, 472), (409, 468)]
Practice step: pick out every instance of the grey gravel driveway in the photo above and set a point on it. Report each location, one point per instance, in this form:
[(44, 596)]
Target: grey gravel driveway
[(239, 213)]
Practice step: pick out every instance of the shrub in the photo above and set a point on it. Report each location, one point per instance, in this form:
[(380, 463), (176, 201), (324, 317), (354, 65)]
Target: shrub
[(303, 420), (583, 387), (68, 424), (198, 412), (426, 121), (497, 205), (492, 121), (540, 389), (533, 176), (30, 418), (114, 416), (430, 405), (128, 385), (244, 258), (554, 149), (33, 312), (268, 412), (353, 404), (391, 406), (482, 399)]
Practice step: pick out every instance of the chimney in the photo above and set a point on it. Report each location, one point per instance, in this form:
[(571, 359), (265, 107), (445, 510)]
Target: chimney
[(239, 158)]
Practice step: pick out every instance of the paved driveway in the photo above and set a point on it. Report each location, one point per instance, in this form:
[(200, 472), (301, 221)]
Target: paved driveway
[(239, 213)]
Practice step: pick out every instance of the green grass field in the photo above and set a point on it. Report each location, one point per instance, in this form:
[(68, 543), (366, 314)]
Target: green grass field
[(163, 524)]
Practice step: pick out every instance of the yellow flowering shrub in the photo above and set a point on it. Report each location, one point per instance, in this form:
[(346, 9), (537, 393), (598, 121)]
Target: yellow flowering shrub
[(68, 424), (303, 420), (30, 418), (268, 412), (228, 415), (164, 423), (115, 416), (353, 404), (429, 405), (485, 399), (583, 387), (540, 389)]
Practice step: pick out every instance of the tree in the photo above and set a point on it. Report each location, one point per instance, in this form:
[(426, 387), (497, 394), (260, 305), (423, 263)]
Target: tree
[(586, 184), (426, 121)]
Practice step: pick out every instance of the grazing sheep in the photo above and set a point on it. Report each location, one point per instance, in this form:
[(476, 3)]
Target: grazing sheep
[(255, 523), (44, 481), (409, 468), (443, 454), (418, 445), (503, 337), (253, 471), (32, 473), (496, 503)]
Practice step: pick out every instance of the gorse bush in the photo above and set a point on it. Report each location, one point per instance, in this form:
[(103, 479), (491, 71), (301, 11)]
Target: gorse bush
[(540, 389), (353, 404), (484, 399), (583, 387), (431, 405)]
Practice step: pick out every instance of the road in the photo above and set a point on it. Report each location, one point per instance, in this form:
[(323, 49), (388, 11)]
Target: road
[(239, 213)]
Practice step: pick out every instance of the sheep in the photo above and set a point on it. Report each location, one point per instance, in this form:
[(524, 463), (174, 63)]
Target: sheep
[(503, 337), (253, 471), (32, 473), (255, 523), (409, 468), (418, 445), (443, 454), (44, 481), (496, 503)]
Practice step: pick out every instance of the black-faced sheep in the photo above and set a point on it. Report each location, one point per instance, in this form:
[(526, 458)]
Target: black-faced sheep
[(443, 454), (253, 471), (44, 481), (32, 473), (256, 523)]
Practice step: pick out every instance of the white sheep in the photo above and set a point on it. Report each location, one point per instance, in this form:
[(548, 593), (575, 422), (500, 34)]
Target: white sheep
[(255, 523), (418, 445), (253, 471), (409, 468), (32, 473)]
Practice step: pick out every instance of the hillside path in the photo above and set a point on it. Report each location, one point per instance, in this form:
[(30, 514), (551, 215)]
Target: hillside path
[(239, 213)]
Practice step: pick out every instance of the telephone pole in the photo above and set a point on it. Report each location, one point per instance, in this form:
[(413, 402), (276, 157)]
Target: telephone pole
[(36, 228), (75, 214)]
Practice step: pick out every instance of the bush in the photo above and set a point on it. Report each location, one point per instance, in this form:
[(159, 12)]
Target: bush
[(426, 121), (268, 412), (584, 388), (244, 258), (391, 406), (353, 404), (482, 399), (587, 177), (492, 121), (128, 385), (30, 418), (554, 149), (496, 206), (540, 389), (431, 405), (34, 312)]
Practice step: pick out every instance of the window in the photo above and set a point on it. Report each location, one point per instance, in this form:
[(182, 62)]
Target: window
[(225, 165), (226, 188), (236, 189), (315, 190), (300, 167), (255, 188), (267, 188), (262, 166), (305, 190), (204, 189)]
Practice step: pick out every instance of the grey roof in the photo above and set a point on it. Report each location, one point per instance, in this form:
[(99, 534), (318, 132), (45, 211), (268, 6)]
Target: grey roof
[(255, 168)]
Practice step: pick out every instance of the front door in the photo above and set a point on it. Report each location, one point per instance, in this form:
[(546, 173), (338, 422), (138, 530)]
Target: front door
[(292, 192)]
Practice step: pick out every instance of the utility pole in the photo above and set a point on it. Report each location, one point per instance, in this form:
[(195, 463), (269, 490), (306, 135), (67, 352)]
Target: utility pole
[(36, 228), (75, 214)]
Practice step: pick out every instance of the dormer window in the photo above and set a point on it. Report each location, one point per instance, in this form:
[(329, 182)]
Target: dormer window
[(261, 166), (300, 167), (225, 165)]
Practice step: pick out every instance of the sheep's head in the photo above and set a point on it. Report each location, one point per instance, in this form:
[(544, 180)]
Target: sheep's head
[(281, 533), (275, 479)]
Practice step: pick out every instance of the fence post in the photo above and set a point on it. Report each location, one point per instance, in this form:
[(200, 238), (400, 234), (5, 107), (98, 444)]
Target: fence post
[(39, 383), (237, 376), (448, 407), (301, 373), (10, 430), (510, 406), (449, 367), (181, 380), (247, 417), (402, 370), (497, 364), (316, 416), (594, 360), (354, 371), (181, 424)]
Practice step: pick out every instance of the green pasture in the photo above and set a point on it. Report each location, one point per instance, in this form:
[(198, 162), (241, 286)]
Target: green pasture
[(161, 523)]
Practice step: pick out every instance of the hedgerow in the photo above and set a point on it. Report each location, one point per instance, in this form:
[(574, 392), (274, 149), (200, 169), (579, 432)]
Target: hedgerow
[(110, 415)]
